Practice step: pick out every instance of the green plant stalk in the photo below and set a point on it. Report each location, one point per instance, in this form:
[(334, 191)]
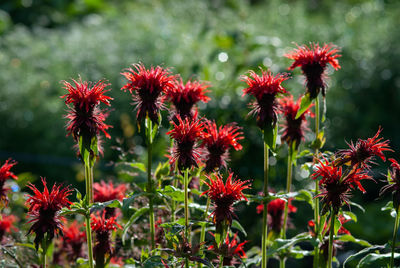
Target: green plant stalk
[(185, 185), (221, 261), (288, 188), (396, 227), (203, 228), (44, 251), (331, 232), (265, 212), (316, 201), (149, 188), (89, 193)]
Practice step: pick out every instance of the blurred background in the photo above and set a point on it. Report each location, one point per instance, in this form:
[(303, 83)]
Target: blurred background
[(43, 42)]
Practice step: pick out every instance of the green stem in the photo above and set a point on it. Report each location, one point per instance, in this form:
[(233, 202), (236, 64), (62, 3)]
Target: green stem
[(203, 228), (331, 232), (396, 227), (149, 188), (288, 188), (316, 201), (89, 190), (185, 185), (265, 212), (44, 251), (221, 261), (282, 262)]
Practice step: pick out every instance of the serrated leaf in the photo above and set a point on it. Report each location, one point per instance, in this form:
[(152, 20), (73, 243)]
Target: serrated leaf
[(269, 134), (101, 205), (128, 200), (350, 215), (138, 166), (132, 220), (281, 245), (376, 260), (304, 104), (304, 195), (238, 226), (172, 192), (362, 252), (350, 238)]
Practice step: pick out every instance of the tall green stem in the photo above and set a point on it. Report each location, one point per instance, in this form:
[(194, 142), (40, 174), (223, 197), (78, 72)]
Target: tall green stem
[(89, 193), (203, 228), (396, 227), (44, 251), (149, 134), (316, 201), (265, 212), (331, 232), (186, 182)]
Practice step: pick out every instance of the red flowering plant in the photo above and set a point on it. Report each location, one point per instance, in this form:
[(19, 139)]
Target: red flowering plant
[(231, 250), (6, 174), (217, 141), (102, 228), (185, 96), (6, 225), (104, 192), (44, 210)]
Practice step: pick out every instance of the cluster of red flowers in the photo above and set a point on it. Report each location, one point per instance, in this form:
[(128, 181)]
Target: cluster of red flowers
[(104, 192), (276, 209), (72, 243), (6, 225), (6, 174)]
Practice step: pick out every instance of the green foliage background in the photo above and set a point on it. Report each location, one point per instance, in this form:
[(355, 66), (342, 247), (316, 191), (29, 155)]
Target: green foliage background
[(44, 42)]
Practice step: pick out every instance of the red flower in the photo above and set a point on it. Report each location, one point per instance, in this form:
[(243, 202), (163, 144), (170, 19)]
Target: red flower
[(85, 117), (102, 226), (364, 151), (73, 240), (313, 61), (6, 224), (264, 88), (223, 197), (147, 87), (393, 185), (293, 129), (185, 96), (218, 141), (44, 207), (276, 210), (230, 250), (336, 186), (186, 134), (104, 192), (6, 174)]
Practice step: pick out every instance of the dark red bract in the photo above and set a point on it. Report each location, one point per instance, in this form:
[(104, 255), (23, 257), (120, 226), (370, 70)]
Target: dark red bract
[(313, 61), (186, 134), (44, 208), (147, 87), (6, 174), (185, 96), (363, 152), (293, 129), (264, 88), (85, 117), (217, 141), (224, 196)]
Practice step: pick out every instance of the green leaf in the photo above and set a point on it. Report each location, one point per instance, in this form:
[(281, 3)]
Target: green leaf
[(172, 192), (357, 206), (304, 195), (350, 238), (389, 206), (26, 245), (323, 109), (132, 220), (270, 133), (153, 262), (362, 252), (126, 202), (78, 195), (350, 215), (162, 170), (138, 166), (337, 225), (238, 226), (101, 205), (304, 104), (376, 260), (281, 245)]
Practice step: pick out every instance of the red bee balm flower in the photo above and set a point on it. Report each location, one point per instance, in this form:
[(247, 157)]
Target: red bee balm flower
[(218, 141), (186, 135), (230, 250), (104, 192), (264, 88), (364, 151), (73, 240), (293, 129), (146, 87), (336, 187), (224, 196), (313, 61), (102, 227), (185, 96), (44, 210), (6, 174), (276, 210), (393, 185), (85, 117), (6, 224)]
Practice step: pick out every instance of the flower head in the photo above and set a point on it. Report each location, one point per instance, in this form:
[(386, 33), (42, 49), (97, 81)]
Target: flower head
[(313, 61), (276, 210), (231, 250), (186, 134), (293, 129), (85, 116), (44, 208), (6, 225), (6, 174), (217, 141), (102, 226), (224, 196), (73, 240), (104, 192), (336, 186), (147, 87), (185, 96), (363, 152), (264, 88), (393, 185)]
